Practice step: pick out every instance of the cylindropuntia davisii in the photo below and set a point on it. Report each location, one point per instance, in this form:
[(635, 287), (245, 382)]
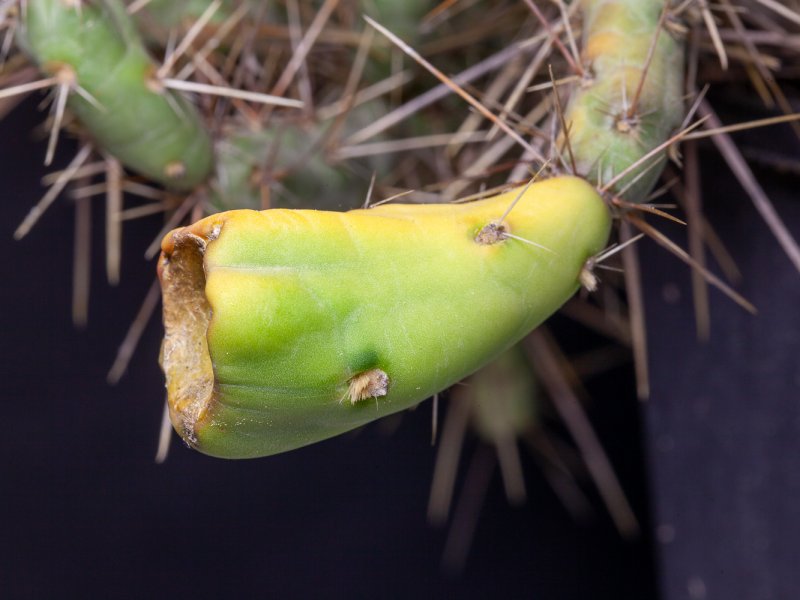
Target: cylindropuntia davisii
[(281, 324)]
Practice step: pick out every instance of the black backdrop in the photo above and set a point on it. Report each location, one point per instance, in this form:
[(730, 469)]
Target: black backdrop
[(724, 419)]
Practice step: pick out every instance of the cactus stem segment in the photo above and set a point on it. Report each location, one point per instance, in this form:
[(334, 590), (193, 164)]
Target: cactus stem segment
[(283, 327), (93, 49)]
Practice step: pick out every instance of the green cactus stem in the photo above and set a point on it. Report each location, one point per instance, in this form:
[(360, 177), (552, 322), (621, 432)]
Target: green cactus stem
[(286, 327), (625, 106), (95, 47)]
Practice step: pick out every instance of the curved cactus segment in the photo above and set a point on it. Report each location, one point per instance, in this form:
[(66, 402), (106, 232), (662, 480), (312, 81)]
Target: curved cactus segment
[(95, 47), (613, 120), (279, 322)]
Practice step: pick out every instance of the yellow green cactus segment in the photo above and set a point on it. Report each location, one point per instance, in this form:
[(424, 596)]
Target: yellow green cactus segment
[(318, 322), (95, 48), (605, 136)]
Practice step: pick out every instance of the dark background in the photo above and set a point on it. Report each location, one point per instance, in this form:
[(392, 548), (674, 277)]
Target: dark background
[(723, 424), (85, 512)]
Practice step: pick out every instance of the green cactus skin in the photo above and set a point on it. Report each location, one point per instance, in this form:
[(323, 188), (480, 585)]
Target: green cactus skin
[(155, 132), (242, 153), (274, 318), (617, 37)]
